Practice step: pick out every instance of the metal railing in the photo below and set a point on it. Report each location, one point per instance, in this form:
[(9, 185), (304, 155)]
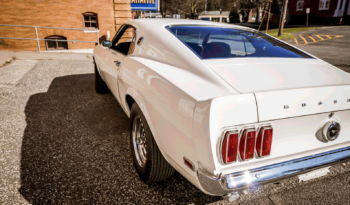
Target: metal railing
[(38, 39)]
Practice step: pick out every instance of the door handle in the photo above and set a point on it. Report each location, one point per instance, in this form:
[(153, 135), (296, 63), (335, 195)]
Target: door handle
[(117, 63)]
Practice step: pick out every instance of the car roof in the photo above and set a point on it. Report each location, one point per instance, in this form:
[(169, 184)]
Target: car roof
[(169, 22)]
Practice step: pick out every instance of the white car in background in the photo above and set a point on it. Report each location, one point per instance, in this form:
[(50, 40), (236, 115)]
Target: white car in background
[(226, 106)]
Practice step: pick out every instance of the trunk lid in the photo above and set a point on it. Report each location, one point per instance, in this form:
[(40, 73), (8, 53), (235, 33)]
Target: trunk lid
[(248, 75), (297, 102), (287, 88)]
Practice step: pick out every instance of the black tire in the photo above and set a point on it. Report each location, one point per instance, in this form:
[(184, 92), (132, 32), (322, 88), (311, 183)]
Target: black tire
[(156, 168), (100, 85)]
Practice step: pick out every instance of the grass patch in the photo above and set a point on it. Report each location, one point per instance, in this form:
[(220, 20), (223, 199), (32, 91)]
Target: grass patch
[(287, 32)]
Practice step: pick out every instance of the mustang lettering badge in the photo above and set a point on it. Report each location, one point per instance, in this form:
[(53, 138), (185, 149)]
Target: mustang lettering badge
[(331, 130)]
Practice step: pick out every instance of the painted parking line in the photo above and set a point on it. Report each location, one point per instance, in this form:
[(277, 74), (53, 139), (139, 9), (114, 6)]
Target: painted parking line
[(311, 38), (304, 39), (296, 42), (320, 37)]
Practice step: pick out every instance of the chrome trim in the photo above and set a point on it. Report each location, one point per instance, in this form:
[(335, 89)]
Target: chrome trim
[(266, 126), (219, 145), (248, 129), (216, 185), (139, 42), (139, 141)]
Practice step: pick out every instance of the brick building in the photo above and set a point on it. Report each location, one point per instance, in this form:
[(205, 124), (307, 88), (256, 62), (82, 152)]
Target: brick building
[(321, 11), (90, 15)]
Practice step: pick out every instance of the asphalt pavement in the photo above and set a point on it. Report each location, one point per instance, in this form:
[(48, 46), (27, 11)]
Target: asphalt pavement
[(62, 143), (335, 51)]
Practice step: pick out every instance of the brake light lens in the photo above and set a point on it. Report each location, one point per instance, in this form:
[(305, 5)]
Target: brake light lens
[(263, 141), (229, 147), (247, 144)]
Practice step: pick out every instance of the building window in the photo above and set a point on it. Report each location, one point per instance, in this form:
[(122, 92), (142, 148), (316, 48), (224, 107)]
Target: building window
[(324, 5), (300, 5), (53, 44), (90, 20)]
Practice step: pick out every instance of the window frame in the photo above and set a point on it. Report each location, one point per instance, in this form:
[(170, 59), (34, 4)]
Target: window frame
[(119, 34), (89, 14), (56, 42), (297, 9), (324, 5)]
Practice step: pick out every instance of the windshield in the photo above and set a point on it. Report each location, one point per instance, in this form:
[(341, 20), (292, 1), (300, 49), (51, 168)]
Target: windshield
[(217, 42)]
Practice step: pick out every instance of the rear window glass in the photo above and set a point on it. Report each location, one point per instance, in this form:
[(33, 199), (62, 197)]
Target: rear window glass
[(217, 42)]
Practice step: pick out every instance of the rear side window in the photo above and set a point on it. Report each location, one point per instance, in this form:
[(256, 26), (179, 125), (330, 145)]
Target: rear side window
[(216, 42)]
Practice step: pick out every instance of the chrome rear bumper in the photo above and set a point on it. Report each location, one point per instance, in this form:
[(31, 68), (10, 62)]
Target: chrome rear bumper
[(224, 184)]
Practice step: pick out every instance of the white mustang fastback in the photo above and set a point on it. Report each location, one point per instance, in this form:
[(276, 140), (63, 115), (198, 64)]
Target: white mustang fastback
[(226, 106)]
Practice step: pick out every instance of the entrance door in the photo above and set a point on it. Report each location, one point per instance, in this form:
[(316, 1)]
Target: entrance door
[(122, 45)]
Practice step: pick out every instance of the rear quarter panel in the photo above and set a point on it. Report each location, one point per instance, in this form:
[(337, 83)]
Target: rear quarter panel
[(168, 108)]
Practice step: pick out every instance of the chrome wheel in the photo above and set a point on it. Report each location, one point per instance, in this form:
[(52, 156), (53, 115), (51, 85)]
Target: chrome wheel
[(139, 141)]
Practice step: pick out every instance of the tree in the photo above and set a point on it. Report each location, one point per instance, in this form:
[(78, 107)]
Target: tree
[(246, 7), (275, 10), (165, 6), (234, 16), (225, 5), (191, 6)]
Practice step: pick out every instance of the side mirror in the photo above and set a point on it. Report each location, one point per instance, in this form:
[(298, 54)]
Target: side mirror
[(107, 44)]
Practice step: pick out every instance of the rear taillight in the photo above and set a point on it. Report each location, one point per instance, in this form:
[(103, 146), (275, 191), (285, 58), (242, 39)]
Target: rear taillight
[(247, 144), (229, 147), (263, 141)]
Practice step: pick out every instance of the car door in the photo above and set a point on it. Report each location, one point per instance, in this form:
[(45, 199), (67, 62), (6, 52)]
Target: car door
[(122, 45)]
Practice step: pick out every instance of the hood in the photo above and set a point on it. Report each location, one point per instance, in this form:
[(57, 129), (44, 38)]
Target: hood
[(248, 75)]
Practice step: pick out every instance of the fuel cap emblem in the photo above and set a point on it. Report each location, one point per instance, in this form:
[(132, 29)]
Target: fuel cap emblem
[(331, 130)]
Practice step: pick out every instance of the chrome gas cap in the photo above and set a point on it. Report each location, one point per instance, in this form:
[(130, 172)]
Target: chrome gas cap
[(331, 130)]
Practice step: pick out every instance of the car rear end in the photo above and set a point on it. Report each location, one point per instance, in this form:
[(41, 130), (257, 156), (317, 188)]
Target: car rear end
[(267, 150), (291, 117)]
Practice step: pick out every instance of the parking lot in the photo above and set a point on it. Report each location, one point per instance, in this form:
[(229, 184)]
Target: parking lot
[(62, 143)]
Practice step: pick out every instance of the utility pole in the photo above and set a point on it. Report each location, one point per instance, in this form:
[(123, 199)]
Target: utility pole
[(283, 16), (268, 18), (205, 7)]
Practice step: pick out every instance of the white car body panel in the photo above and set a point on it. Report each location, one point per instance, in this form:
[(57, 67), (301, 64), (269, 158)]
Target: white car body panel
[(212, 116), (189, 102), (316, 100), (248, 75)]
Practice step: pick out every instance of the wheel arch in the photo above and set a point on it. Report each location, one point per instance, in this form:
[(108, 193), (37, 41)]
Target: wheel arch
[(131, 97)]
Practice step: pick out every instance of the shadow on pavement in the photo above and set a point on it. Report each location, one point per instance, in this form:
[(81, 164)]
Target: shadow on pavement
[(74, 152)]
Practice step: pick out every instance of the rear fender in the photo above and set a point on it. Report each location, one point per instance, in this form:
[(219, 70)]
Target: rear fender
[(167, 109), (212, 117)]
